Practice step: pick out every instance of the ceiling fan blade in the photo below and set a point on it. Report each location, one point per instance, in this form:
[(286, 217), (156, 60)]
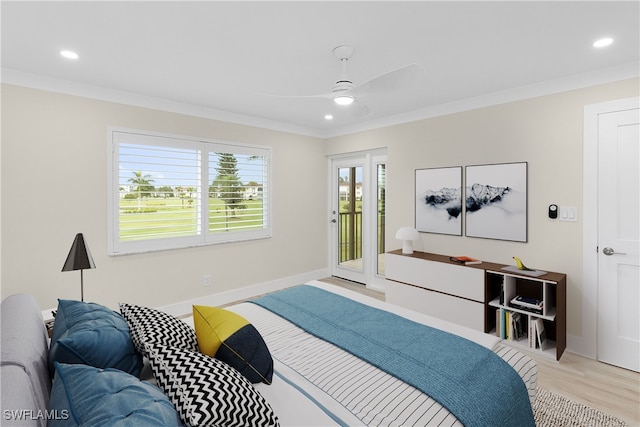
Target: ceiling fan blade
[(360, 111), (321, 95), (402, 77), (353, 111)]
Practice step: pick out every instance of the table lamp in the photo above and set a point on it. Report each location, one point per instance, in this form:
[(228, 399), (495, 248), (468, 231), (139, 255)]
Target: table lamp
[(79, 258), (407, 235)]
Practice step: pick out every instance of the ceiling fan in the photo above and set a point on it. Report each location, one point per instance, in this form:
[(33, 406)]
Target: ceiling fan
[(345, 92)]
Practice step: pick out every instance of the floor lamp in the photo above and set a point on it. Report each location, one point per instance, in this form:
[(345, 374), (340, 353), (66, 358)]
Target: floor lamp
[(79, 258)]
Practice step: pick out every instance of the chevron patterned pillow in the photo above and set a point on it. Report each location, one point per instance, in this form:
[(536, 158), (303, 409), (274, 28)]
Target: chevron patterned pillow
[(148, 325), (206, 391)]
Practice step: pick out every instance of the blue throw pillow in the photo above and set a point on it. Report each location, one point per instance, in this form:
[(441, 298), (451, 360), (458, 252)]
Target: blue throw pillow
[(86, 396), (93, 335)]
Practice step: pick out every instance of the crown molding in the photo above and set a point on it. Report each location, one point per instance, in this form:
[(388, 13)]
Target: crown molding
[(67, 87), (594, 78)]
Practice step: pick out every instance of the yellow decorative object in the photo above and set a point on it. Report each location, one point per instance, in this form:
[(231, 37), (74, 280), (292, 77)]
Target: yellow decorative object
[(520, 265)]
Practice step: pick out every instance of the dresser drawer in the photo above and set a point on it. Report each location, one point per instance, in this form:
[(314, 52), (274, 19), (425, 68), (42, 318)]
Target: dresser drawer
[(458, 280), (453, 309)]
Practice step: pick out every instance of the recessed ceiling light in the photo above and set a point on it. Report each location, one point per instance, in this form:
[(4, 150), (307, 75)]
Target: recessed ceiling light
[(69, 54), (328, 116), (604, 42)]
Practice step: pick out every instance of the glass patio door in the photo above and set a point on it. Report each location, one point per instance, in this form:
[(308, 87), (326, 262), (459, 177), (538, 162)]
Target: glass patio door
[(350, 217), (357, 218)]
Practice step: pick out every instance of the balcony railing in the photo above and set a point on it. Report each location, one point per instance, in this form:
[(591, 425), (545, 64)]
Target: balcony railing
[(350, 235)]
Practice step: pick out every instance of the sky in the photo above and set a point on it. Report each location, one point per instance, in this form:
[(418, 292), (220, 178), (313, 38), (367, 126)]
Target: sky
[(175, 167)]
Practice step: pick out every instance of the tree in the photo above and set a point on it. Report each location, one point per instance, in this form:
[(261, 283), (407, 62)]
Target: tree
[(165, 191), (190, 191), (144, 187), (227, 185)]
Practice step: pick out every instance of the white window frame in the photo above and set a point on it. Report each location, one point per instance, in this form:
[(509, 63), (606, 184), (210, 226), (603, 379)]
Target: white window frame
[(203, 237)]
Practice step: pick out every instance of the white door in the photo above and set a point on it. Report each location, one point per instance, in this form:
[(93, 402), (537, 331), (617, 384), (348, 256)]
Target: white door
[(619, 238), (357, 217)]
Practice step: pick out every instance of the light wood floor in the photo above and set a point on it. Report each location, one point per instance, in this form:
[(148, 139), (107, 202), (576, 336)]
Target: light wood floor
[(613, 390)]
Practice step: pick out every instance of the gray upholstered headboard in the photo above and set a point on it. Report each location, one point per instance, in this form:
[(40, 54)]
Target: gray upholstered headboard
[(26, 383)]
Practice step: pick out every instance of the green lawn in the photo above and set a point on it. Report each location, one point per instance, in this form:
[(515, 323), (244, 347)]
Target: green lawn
[(174, 217)]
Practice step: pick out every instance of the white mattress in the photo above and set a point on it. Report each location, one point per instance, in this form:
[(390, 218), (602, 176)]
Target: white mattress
[(317, 384)]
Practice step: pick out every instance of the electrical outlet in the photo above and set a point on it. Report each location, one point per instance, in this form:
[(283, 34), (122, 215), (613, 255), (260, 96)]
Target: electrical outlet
[(206, 280)]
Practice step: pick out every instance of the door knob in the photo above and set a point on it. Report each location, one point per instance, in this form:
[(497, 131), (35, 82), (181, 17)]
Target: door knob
[(610, 251)]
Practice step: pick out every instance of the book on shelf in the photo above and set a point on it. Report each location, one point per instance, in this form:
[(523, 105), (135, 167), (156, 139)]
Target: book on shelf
[(541, 335), (511, 325), (532, 333), (507, 325), (527, 304), (466, 260), (516, 326)]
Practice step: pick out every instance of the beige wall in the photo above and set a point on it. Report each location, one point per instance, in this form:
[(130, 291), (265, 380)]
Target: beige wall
[(546, 132), (54, 185)]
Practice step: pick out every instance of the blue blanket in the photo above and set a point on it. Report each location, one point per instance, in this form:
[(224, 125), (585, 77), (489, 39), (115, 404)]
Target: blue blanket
[(471, 381)]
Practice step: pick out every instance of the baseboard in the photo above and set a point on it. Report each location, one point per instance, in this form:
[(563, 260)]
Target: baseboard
[(184, 307), (580, 346)]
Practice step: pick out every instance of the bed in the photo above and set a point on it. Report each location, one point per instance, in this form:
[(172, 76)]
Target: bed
[(320, 383), (383, 367)]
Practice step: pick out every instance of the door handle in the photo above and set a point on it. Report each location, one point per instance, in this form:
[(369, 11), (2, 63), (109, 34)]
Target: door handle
[(334, 220), (611, 251)]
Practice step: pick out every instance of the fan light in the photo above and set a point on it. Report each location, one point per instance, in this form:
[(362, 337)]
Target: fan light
[(603, 42), (343, 99), (69, 54)]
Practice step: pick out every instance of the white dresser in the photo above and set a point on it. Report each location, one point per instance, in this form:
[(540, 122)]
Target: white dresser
[(480, 297)]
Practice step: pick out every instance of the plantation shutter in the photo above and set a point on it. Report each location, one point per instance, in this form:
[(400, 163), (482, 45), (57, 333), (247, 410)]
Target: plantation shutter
[(171, 192), (237, 203)]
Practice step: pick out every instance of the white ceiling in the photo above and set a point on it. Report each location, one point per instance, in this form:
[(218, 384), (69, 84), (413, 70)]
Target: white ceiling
[(220, 59)]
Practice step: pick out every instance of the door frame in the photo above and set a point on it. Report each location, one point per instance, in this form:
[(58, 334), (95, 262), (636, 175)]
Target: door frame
[(369, 160), (587, 344)]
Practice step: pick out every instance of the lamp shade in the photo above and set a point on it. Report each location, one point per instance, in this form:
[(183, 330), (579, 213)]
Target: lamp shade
[(79, 257), (407, 235), (344, 99)]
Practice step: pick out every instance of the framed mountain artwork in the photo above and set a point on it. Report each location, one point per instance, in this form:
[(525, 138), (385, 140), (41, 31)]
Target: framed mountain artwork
[(438, 200), (496, 201)]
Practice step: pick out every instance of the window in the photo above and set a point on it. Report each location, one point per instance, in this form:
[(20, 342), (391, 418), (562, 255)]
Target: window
[(169, 192)]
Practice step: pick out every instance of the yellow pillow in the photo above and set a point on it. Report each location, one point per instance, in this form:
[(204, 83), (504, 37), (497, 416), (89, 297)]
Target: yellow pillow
[(229, 337), (213, 326)]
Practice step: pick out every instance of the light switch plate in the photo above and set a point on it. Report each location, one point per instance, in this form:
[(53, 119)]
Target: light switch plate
[(569, 214)]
